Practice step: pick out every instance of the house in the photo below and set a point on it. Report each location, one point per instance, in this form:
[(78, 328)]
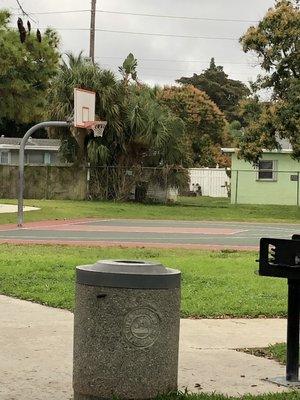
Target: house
[(275, 180), (37, 151)]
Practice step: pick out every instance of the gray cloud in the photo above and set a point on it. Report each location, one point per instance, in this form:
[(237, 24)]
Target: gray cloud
[(111, 48)]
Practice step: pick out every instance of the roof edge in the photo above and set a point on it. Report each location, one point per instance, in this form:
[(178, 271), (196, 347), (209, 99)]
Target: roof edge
[(278, 151)]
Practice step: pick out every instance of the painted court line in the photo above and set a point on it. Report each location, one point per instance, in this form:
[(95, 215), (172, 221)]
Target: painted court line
[(115, 238), (146, 229), (145, 233), (45, 224)]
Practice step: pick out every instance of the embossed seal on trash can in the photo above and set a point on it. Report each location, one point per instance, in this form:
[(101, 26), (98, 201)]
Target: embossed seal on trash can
[(142, 327)]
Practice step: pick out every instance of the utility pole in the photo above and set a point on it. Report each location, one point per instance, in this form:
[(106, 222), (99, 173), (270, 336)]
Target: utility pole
[(92, 30)]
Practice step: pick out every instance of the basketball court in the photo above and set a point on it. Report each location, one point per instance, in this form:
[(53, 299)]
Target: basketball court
[(130, 233), (147, 233)]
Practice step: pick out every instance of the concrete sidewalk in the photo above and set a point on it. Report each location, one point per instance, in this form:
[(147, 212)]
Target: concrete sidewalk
[(10, 208), (36, 353)]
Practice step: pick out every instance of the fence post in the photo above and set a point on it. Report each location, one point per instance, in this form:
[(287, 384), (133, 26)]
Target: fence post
[(47, 183), (87, 174), (298, 189), (166, 187), (107, 182), (236, 186)]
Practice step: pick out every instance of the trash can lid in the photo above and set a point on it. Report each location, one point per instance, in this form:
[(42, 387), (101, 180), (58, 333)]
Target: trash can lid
[(134, 274)]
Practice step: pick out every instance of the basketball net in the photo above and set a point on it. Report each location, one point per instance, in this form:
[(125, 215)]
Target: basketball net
[(96, 126)]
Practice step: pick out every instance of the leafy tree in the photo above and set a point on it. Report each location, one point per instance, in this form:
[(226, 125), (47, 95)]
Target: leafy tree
[(26, 70), (205, 123), (139, 129), (223, 91), (276, 41), (78, 71), (152, 132), (235, 129), (129, 69)]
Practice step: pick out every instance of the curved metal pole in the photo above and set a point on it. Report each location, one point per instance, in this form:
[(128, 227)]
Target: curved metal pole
[(34, 128)]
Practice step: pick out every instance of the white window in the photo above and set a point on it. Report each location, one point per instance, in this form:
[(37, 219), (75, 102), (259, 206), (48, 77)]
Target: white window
[(34, 157), (47, 158), (4, 157), (267, 170)]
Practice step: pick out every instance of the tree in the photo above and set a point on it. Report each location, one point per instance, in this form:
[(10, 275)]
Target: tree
[(276, 41), (205, 123), (235, 129), (129, 69), (140, 131), (225, 92), (26, 71), (81, 72)]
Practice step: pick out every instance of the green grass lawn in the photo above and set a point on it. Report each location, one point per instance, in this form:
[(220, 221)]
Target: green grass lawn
[(275, 351), (294, 395), (214, 284), (188, 208)]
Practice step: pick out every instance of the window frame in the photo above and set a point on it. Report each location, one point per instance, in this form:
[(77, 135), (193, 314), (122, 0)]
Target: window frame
[(47, 158), (8, 157), (274, 171), (34, 153)]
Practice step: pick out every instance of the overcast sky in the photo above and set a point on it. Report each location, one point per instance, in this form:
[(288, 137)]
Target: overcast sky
[(185, 55)]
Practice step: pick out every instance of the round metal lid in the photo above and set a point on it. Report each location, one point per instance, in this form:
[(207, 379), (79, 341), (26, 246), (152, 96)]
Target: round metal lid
[(134, 274)]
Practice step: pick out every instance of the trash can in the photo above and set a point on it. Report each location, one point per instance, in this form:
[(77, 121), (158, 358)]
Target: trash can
[(126, 330)]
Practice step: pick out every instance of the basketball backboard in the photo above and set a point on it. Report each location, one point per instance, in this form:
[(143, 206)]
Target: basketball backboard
[(84, 107)]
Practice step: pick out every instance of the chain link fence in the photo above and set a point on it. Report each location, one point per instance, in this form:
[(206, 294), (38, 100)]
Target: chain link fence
[(259, 186), (143, 184), (137, 183)]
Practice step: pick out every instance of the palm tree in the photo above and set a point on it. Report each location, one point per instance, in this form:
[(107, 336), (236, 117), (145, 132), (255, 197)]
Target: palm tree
[(78, 71), (129, 69), (140, 131)]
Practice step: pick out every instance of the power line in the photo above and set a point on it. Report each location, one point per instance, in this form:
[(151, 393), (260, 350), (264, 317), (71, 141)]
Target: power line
[(158, 69), (168, 35), (149, 34), (165, 69), (177, 60), (176, 17), (24, 12), (148, 15), (169, 77), (62, 12)]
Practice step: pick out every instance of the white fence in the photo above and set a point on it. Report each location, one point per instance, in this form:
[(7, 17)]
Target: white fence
[(213, 182)]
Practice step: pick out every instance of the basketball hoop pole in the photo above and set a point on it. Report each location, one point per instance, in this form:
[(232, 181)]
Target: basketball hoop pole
[(32, 130)]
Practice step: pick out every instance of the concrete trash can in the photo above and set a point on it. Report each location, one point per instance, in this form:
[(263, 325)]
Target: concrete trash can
[(126, 330)]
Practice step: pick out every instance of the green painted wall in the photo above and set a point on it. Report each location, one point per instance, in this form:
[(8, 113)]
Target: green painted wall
[(246, 189)]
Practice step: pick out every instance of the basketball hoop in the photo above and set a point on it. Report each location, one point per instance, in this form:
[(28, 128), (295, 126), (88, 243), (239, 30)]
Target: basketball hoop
[(84, 112), (96, 126)]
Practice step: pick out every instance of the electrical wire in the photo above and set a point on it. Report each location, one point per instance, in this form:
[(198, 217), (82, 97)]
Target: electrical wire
[(179, 61), (148, 34), (147, 75), (147, 15), (162, 74), (168, 35), (28, 15), (159, 69)]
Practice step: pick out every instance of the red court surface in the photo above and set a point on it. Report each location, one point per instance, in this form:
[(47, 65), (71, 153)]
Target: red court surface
[(146, 233)]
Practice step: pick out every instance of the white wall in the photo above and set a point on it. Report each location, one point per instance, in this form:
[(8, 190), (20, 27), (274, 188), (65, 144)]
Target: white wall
[(211, 180)]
